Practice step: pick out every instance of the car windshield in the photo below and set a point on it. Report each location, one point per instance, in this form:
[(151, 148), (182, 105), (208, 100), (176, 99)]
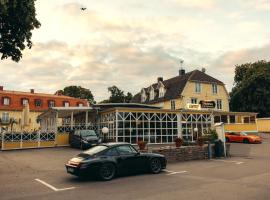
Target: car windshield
[(244, 134), (95, 150), (85, 133)]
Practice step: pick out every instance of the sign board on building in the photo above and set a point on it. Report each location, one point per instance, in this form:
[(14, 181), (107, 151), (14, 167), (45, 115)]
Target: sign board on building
[(208, 104), (193, 106)]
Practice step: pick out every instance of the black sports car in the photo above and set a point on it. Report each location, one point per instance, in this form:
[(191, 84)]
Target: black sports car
[(111, 159)]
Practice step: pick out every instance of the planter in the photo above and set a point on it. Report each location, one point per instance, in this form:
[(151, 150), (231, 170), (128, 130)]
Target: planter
[(178, 142), (200, 141), (142, 145)]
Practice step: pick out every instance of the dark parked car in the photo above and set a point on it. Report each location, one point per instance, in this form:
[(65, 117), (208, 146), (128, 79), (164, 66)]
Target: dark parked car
[(83, 139), (111, 159)]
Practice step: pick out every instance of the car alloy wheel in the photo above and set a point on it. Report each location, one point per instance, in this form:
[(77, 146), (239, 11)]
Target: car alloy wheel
[(227, 139), (155, 166), (107, 171)]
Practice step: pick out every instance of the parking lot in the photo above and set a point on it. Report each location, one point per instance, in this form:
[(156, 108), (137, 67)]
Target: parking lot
[(40, 174)]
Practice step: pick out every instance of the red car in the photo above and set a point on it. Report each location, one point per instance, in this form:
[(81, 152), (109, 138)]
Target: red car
[(242, 137)]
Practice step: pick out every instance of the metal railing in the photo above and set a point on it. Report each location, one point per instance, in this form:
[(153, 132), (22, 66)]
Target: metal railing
[(22, 138)]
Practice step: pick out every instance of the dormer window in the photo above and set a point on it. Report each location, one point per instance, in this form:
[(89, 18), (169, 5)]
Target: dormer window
[(65, 103), (6, 101), (143, 96), (25, 101), (152, 94), (161, 92)]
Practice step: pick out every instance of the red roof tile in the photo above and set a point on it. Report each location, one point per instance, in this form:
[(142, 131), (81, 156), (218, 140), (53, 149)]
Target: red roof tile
[(17, 96)]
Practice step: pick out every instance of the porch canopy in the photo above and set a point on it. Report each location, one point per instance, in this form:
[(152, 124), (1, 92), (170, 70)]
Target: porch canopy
[(63, 112), (49, 119)]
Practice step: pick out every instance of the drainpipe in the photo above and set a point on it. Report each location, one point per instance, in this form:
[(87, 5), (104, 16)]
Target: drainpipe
[(86, 119), (71, 120)]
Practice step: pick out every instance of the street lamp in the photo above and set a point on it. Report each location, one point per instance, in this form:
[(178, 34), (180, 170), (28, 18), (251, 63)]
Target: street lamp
[(105, 131), (196, 132)]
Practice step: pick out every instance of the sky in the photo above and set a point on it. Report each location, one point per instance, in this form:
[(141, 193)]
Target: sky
[(129, 43)]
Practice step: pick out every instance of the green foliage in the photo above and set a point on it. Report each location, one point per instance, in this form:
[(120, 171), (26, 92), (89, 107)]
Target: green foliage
[(17, 20), (118, 96), (211, 135), (78, 92), (251, 91)]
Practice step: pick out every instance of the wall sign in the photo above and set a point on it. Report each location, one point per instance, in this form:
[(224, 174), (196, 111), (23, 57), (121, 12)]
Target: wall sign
[(193, 106), (208, 104)]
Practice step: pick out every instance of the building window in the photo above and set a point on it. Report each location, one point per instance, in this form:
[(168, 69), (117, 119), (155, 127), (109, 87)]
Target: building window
[(219, 104), (224, 118), (246, 120), (6, 101), (252, 119), (5, 117), (161, 92), (232, 119), (217, 119), (194, 100), (198, 87), (38, 102), (66, 104), (214, 88), (51, 103), (152, 94), (143, 96), (80, 104), (25, 102), (173, 104)]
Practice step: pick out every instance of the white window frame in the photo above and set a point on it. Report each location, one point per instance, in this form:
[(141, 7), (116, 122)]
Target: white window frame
[(152, 94), (25, 102), (66, 104), (5, 117), (143, 96), (6, 101), (80, 104), (214, 88), (161, 92), (219, 104), (198, 87), (51, 103), (192, 100)]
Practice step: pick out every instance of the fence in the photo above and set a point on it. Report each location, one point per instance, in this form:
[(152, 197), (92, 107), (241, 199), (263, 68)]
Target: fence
[(47, 138)]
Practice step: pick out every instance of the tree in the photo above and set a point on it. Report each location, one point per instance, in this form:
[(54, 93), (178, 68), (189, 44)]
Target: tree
[(17, 20), (117, 96), (77, 92), (251, 91)]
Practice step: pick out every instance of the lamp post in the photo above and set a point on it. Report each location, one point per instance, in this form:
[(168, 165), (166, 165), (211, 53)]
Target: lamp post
[(196, 132), (105, 131)]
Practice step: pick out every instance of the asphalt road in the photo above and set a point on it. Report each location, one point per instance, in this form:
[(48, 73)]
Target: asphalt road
[(40, 174)]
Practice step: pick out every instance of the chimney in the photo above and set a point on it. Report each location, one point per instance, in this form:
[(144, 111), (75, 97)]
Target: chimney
[(203, 70), (1, 88), (32, 91), (159, 79), (182, 72)]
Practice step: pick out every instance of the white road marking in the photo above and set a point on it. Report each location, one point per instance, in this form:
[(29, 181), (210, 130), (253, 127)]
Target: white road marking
[(52, 187), (228, 161), (173, 172)]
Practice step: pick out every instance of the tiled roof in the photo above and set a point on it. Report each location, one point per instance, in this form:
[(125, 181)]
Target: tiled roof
[(17, 96), (174, 86)]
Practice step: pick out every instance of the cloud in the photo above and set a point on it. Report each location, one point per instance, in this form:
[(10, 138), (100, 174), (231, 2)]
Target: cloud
[(103, 46), (200, 4), (225, 64)]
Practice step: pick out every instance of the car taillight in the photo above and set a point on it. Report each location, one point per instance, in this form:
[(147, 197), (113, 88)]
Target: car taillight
[(75, 164)]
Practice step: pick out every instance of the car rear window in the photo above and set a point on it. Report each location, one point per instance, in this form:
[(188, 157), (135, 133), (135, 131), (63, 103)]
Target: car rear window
[(95, 150)]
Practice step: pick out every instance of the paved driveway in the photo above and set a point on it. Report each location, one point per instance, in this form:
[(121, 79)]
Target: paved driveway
[(40, 174)]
